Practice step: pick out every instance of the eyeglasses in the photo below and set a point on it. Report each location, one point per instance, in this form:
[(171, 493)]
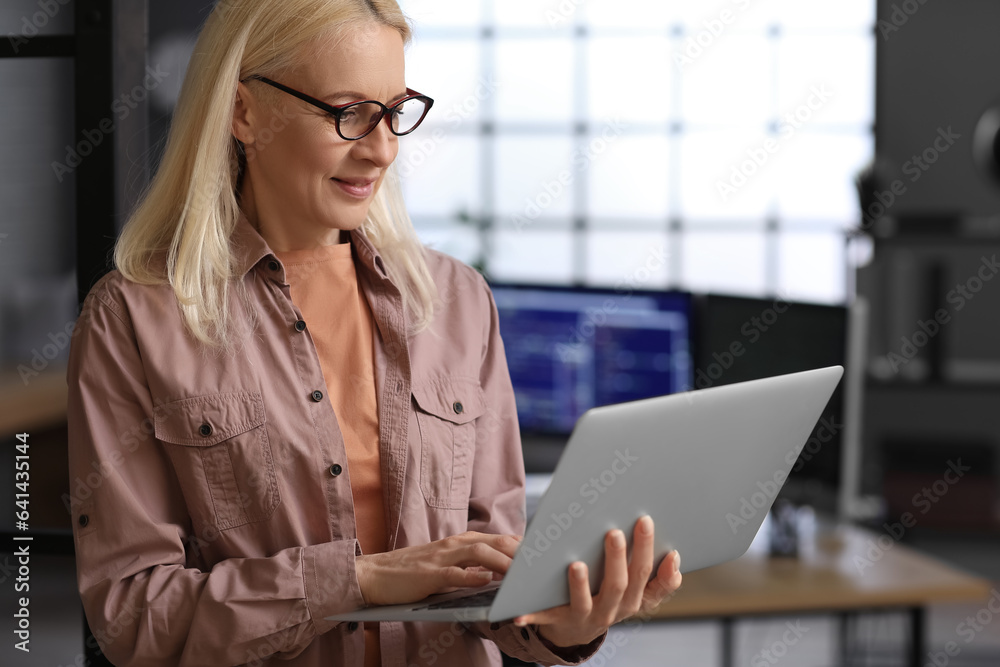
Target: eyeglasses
[(357, 120)]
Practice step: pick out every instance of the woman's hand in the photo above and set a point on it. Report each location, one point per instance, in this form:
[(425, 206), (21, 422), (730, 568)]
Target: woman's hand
[(624, 591), (412, 573)]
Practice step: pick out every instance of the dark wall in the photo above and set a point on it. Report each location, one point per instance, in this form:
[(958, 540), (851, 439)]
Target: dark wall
[(937, 71), (933, 210)]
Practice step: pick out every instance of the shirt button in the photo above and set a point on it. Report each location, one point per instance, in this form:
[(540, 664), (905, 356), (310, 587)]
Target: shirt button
[(524, 633), (84, 520), (300, 325), (458, 407), (336, 469), (352, 626), (317, 396), (494, 626), (205, 430), (273, 265)]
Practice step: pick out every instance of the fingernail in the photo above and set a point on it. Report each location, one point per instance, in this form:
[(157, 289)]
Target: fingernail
[(618, 539), (646, 525), (520, 622), (578, 570), (677, 561)]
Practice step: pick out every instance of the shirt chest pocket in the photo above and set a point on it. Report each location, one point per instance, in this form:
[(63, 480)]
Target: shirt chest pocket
[(220, 451), (446, 414)]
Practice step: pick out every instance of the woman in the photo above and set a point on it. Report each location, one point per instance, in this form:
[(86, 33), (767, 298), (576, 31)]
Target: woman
[(282, 406)]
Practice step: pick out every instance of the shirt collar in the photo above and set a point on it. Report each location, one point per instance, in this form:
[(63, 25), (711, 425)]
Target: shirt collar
[(251, 249)]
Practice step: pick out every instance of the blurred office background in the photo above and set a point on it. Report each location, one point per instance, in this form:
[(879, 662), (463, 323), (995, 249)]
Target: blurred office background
[(713, 158)]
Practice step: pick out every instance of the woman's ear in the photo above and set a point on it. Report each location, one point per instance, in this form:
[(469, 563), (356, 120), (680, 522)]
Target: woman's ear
[(244, 115)]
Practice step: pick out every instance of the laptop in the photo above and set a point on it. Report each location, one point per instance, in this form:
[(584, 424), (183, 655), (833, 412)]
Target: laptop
[(705, 465)]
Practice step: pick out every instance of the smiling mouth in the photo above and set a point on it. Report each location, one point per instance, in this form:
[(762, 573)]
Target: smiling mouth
[(360, 189), (356, 183)]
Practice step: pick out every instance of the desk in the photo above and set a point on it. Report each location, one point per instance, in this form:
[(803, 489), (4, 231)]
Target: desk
[(844, 571), (38, 404)]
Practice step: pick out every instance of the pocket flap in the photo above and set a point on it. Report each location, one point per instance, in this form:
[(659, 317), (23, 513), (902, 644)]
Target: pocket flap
[(202, 421), (458, 400)]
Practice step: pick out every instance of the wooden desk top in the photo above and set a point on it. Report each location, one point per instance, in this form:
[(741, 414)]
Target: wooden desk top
[(38, 404), (846, 569)]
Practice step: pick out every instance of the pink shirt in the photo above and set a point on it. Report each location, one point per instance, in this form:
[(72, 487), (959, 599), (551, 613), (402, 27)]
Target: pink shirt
[(324, 286), (211, 496)]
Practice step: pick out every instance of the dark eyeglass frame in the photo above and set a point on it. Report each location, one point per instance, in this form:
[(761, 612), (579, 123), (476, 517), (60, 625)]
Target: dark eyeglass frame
[(338, 109)]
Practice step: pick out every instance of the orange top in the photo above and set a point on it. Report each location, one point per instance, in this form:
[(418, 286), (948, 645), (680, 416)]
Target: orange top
[(324, 286)]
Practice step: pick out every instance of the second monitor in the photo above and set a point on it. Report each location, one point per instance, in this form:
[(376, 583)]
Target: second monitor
[(571, 349)]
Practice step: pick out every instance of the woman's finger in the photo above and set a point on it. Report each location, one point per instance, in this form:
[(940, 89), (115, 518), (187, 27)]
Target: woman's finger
[(463, 578), (615, 578), (580, 601), (640, 565), (481, 554), (667, 581), (506, 544)]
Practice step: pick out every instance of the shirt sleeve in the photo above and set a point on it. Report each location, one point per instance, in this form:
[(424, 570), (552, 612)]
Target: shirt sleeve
[(497, 503), (145, 599)]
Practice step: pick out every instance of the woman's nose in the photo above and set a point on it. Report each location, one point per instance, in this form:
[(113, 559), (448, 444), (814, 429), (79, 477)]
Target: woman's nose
[(380, 145)]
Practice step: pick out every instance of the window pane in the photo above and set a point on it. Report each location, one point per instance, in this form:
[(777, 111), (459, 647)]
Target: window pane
[(532, 93), (817, 172), (534, 177), (702, 20), (440, 173), (521, 13), (811, 267), (629, 78), (833, 76), (449, 73), (727, 175), (532, 256), (644, 14), (848, 14), (752, 15), (629, 176), (436, 13), (458, 240), (728, 262), (636, 259), (730, 83)]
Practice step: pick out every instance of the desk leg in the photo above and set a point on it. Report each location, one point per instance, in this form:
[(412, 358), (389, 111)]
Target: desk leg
[(844, 620), (728, 657), (916, 636)]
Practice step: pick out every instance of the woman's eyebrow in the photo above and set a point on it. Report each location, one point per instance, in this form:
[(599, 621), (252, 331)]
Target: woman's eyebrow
[(354, 95)]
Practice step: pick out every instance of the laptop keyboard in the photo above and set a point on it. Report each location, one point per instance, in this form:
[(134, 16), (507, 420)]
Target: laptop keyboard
[(480, 599)]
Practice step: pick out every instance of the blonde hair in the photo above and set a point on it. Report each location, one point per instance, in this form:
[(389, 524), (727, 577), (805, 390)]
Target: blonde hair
[(191, 206)]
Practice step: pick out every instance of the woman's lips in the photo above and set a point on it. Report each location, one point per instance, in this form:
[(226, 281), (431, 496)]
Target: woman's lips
[(361, 189)]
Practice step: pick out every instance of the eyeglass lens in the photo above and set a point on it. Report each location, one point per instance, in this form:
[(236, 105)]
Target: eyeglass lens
[(360, 118)]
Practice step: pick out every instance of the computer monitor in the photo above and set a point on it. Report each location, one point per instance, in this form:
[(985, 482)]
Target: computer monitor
[(570, 349), (740, 339)]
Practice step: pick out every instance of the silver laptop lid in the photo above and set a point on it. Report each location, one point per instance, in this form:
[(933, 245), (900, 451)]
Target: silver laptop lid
[(706, 465)]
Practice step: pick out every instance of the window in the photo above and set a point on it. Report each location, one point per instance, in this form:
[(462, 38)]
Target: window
[(575, 142)]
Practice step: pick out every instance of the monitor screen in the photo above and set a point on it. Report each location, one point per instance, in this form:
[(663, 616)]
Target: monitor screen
[(742, 339), (571, 349)]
